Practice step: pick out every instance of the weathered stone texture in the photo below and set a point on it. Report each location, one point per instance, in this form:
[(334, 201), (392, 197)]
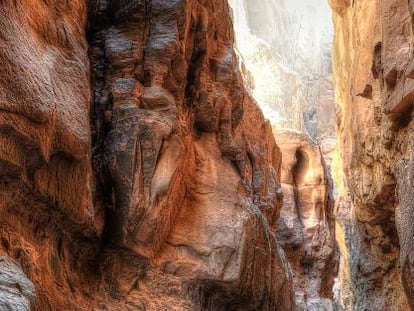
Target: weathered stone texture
[(16, 290), (136, 171), (306, 228), (372, 69)]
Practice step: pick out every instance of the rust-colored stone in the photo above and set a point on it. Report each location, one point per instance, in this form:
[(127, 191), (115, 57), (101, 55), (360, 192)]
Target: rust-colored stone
[(136, 173)]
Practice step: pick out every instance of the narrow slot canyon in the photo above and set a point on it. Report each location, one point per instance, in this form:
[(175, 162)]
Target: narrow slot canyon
[(207, 155)]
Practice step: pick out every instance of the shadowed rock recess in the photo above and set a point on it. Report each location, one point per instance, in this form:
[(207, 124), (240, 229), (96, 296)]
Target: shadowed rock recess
[(136, 171)]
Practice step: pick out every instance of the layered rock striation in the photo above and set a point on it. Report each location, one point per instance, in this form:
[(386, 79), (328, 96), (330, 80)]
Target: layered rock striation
[(136, 171)]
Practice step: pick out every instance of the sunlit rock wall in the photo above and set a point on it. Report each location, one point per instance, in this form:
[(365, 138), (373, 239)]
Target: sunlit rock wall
[(373, 69), (285, 47)]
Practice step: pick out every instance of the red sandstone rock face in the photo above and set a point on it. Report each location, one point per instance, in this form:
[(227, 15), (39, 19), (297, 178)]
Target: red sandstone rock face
[(373, 73), (306, 225), (173, 203)]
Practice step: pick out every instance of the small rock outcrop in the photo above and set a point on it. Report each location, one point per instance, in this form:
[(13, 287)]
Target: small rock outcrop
[(16, 290)]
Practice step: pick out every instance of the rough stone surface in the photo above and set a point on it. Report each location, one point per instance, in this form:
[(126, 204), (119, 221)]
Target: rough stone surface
[(373, 77), (306, 229), (136, 171), (16, 290)]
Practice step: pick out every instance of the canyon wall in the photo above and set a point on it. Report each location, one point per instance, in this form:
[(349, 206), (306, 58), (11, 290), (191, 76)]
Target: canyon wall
[(286, 49), (306, 227), (373, 69), (286, 61), (136, 172)]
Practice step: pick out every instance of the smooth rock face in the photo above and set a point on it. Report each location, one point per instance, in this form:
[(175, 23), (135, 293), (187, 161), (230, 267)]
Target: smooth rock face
[(306, 225), (136, 172), (373, 76)]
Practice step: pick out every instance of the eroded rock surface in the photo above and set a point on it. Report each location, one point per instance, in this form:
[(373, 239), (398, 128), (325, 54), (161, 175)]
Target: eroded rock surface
[(136, 171), (16, 290), (373, 76), (306, 228)]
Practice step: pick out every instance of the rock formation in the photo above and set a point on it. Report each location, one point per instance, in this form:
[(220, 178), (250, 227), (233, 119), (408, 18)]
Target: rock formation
[(16, 290), (373, 69), (136, 171), (286, 47), (306, 228)]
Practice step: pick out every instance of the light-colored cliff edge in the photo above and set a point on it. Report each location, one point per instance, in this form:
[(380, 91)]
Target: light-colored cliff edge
[(286, 47)]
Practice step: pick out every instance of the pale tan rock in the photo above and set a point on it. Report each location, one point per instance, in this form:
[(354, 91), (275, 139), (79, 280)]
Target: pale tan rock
[(285, 46), (306, 228), (372, 70)]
